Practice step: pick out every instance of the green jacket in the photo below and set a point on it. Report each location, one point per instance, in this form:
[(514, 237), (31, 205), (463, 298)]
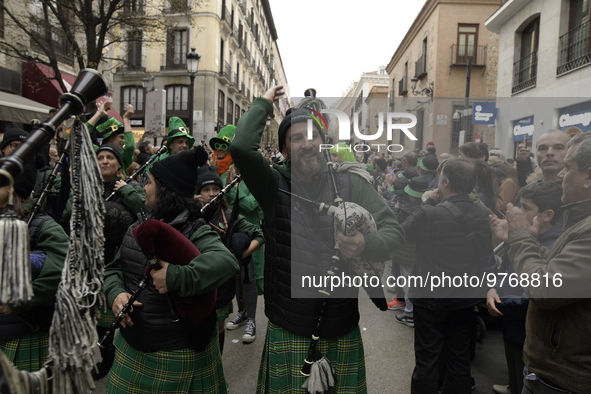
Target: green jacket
[(558, 324), (262, 181), (54, 242), (214, 267), (250, 209)]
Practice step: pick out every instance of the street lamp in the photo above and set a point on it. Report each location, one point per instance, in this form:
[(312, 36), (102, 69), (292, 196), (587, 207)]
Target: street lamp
[(192, 66), (428, 91)]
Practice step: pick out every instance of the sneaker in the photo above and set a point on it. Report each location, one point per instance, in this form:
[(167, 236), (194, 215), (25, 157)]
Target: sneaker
[(403, 319), (250, 333), (237, 321), (396, 305), (501, 389)]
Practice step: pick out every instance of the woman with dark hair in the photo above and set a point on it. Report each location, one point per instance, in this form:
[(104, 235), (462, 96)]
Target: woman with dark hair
[(484, 184), (155, 353), (24, 330)]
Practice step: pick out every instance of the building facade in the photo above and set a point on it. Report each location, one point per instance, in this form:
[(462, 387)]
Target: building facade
[(239, 62), (361, 101), (545, 51), (428, 73)]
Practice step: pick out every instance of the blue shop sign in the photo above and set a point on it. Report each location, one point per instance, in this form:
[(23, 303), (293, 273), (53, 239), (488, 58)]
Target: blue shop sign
[(576, 115), (484, 113), (523, 128)]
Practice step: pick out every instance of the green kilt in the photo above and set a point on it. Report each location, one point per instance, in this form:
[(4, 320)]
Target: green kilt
[(284, 354), (224, 312), (27, 353), (106, 317), (178, 371)]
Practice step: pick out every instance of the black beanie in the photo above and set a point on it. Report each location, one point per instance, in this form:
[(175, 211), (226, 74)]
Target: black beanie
[(178, 172), (114, 149), (292, 117), (24, 183), (12, 133), (208, 175)]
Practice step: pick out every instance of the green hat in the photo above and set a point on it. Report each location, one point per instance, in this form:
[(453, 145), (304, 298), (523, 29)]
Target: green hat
[(398, 186), (178, 128), (417, 186), (224, 137), (429, 163), (109, 127)]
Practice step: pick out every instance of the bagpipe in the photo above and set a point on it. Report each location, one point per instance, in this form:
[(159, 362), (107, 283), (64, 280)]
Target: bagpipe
[(78, 296), (159, 240), (348, 217), (163, 149), (155, 239)]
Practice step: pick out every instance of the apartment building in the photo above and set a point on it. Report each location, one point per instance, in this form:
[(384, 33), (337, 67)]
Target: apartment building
[(239, 60), (428, 74), (545, 51)]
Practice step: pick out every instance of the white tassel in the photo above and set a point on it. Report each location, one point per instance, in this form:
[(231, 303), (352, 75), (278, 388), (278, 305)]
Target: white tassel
[(73, 337), (321, 377), (15, 267), (22, 382)]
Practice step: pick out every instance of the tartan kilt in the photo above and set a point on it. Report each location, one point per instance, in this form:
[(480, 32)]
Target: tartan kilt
[(284, 354), (178, 371), (106, 317), (29, 352)]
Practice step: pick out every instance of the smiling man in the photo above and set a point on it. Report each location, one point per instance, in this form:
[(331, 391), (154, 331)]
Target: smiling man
[(301, 242)]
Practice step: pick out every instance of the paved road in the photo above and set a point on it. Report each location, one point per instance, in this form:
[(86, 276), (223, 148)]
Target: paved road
[(389, 355)]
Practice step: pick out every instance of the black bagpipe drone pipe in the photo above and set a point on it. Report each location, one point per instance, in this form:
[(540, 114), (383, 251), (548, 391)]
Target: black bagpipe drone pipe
[(15, 282)]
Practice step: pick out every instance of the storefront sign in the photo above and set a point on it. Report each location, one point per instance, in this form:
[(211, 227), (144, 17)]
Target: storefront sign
[(523, 127), (577, 115), (484, 113)]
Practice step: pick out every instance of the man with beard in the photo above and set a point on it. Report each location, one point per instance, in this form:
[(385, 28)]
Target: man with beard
[(300, 242)]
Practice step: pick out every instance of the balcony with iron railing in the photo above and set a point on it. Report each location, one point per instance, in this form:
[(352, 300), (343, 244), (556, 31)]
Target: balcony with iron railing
[(525, 72), (248, 95), (225, 73), (242, 90), (233, 85), (421, 67), (226, 23), (403, 86), (461, 53), (574, 49)]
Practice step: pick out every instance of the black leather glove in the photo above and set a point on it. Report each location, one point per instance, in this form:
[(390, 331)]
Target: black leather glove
[(201, 155)]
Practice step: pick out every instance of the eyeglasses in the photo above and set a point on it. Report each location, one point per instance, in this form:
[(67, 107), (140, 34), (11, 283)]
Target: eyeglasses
[(14, 145), (221, 146)]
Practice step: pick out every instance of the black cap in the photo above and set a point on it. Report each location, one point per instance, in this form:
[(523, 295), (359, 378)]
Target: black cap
[(292, 117), (178, 172), (12, 133), (208, 176), (113, 149)]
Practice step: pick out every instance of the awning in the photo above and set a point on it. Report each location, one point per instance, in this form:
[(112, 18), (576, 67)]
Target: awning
[(14, 108), (37, 86)]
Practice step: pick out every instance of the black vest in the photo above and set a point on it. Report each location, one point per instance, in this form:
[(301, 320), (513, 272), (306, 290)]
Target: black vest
[(299, 243), (153, 328)]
